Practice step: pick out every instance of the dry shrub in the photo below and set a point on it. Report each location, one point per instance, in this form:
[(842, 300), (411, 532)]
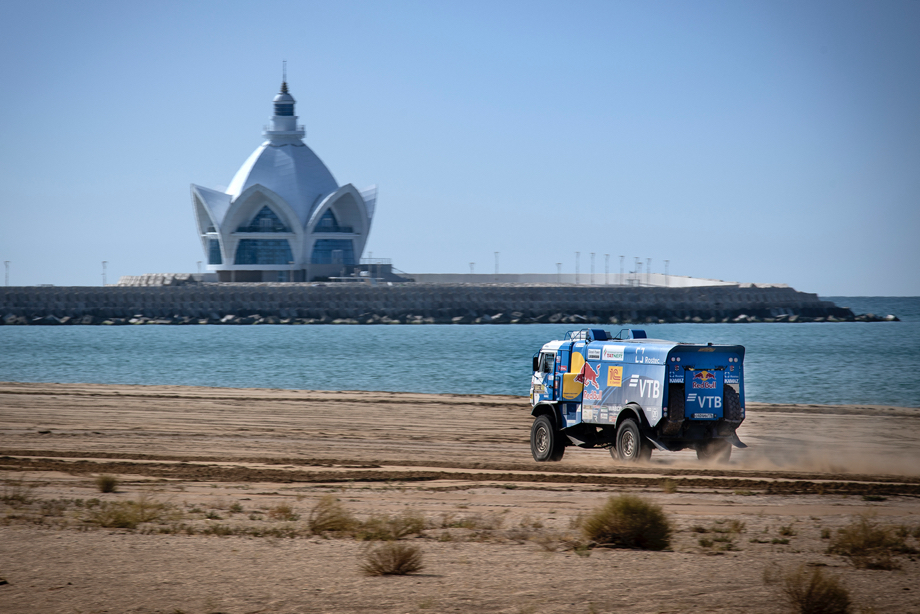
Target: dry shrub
[(628, 522), (127, 514), (392, 559), (391, 527), (868, 545), (17, 492), (283, 511), (107, 483), (330, 516), (812, 592)]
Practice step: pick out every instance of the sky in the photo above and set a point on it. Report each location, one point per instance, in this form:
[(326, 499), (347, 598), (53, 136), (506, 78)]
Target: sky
[(765, 142)]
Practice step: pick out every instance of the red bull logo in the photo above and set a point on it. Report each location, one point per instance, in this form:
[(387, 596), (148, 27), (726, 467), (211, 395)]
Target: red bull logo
[(704, 379), (588, 376)]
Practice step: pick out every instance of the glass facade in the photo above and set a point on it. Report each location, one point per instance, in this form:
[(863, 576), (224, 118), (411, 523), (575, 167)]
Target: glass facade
[(285, 109), (333, 251), (263, 251), (265, 220), (328, 223), (214, 252)]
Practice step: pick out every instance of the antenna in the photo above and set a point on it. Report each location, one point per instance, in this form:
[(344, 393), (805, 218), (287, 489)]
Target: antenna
[(284, 71)]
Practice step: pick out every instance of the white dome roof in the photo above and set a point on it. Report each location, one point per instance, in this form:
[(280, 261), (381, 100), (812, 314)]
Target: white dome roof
[(289, 169)]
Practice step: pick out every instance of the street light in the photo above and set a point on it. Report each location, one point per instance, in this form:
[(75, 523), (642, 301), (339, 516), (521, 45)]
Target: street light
[(496, 264), (6, 266), (559, 273), (472, 266), (577, 261), (104, 263), (592, 268)]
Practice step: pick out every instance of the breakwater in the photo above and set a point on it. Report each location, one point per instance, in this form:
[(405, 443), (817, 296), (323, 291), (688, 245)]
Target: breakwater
[(410, 303)]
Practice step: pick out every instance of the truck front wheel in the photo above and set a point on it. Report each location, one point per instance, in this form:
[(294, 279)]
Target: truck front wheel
[(546, 443), (631, 447)]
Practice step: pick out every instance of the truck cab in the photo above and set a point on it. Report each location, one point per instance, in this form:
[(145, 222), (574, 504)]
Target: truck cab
[(632, 394)]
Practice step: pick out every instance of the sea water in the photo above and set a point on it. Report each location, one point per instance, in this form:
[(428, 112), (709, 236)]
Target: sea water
[(823, 363)]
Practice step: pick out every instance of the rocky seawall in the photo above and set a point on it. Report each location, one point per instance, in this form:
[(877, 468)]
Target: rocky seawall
[(411, 303)]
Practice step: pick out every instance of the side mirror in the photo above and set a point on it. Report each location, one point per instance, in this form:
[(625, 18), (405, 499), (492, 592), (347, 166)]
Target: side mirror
[(536, 363)]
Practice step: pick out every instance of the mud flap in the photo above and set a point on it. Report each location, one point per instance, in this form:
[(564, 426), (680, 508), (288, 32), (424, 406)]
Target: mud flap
[(736, 442), (664, 448)]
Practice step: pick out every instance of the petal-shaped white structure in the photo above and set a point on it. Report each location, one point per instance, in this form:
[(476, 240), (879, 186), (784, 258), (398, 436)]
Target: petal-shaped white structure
[(283, 217)]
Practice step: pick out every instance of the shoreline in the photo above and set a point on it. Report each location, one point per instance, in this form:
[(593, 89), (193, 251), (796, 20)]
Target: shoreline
[(152, 391)]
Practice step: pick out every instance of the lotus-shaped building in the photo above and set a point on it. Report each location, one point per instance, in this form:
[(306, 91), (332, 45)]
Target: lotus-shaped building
[(284, 217)]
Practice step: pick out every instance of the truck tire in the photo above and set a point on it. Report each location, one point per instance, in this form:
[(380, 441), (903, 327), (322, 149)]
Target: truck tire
[(631, 446), (546, 443), (732, 402), (718, 450)]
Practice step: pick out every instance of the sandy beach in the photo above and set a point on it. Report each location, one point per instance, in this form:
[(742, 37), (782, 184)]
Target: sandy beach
[(500, 530)]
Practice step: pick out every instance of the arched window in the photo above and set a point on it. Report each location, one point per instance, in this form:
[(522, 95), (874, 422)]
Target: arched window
[(265, 220), (214, 252), (328, 223), (263, 251)]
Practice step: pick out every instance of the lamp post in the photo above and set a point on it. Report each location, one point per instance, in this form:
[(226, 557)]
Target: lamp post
[(666, 280), (6, 266), (577, 263), (559, 273), (104, 263), (472, 267), (496, 264), (606, 269), (621, 270), (592, 268)]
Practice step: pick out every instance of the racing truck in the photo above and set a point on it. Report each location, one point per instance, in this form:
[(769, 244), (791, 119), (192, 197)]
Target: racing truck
[(631, 394)]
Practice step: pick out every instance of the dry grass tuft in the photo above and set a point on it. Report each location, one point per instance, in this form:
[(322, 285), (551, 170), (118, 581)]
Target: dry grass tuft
[(392, 559), (628, 522), (869, 545), (107, 483), (811, 591), (330, 516), (283, 511), (127, 514), (17, 492), (387, 528), (669, 487)]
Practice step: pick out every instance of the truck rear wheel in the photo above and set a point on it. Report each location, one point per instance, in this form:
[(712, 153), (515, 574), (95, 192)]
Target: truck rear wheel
[(732, 404), (631, 446), (718, 450), (546, 442)]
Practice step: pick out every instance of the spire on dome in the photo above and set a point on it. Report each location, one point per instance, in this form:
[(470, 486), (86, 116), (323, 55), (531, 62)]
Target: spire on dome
[(284, 123)]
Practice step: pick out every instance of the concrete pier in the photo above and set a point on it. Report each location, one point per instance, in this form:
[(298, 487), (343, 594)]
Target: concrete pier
[(409, 303)]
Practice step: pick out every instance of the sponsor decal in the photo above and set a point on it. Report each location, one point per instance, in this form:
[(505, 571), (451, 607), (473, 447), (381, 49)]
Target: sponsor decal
[(705, 380), (563, 369), (704, 416), (587, 414), (705, 402), (539, 388), (592, 396), (649, 388), (604, 415), (615, 376), (732, 379), (594, 353), (613, 352), (588, 375)]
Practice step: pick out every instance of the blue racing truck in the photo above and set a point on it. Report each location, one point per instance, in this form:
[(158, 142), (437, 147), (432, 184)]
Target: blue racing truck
[(630, 394)]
